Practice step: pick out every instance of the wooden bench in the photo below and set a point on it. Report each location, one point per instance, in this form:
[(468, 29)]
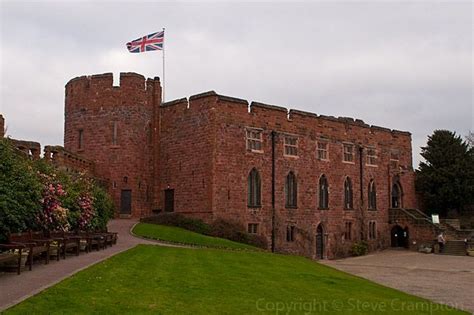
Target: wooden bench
[(8, 256), (66, 242), (93, 239), (34, 242), (110, 238)]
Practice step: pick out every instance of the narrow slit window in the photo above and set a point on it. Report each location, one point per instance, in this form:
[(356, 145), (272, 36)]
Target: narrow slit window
[(291, 190), (114, 133), (254, 189), (348, 194), (323, 193), (290, 233), (81, 139)]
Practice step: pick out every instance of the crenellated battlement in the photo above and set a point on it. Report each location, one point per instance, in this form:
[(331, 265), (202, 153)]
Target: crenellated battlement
[(67, 160), (278, 112), (130, 82)]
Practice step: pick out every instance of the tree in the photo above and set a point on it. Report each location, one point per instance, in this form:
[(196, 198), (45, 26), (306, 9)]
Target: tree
[(20, 191), (446, 179), (470, 140)]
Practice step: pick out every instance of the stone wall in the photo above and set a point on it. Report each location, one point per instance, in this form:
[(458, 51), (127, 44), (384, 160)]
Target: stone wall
[(68, 161), (31, 149), (196, 151), (207, 145), (113, 126)]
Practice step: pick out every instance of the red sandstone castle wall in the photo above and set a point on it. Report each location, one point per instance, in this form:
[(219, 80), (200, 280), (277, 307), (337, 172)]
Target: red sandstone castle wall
[(187, 135), (95, 106), (232, 163)]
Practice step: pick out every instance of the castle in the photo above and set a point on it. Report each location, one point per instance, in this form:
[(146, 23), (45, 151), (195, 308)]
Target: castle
[(310, 184)]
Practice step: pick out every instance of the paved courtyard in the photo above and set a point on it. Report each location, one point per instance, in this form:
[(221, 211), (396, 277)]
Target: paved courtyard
[(443, 279)]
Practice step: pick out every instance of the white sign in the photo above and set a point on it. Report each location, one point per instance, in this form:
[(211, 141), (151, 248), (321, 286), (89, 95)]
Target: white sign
[(435, 218)]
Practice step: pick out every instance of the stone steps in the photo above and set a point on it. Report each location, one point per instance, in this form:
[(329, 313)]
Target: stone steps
[(455, 248)]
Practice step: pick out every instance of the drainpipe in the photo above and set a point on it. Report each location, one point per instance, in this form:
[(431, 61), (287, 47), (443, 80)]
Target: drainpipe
[(361, 182), (273, 190)]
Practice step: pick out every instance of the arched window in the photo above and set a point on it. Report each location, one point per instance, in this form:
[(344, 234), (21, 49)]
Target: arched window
[(348, 193), (396, 195), (253, 188), (323, 193), (372, 196), (291, 191)]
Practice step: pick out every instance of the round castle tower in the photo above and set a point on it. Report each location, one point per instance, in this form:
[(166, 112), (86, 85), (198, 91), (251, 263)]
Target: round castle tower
[(115, 126)]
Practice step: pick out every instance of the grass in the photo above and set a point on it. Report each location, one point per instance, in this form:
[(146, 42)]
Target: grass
[(153, 279), (182, 236)]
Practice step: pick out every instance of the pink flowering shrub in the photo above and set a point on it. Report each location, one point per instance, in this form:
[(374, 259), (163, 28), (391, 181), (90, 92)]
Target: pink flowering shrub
[(53, 216), (87, 212)]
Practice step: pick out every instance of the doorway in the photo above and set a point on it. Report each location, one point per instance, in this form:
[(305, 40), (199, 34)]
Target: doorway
[(126, 201), (169, 200), (399, 236), (319, 242)]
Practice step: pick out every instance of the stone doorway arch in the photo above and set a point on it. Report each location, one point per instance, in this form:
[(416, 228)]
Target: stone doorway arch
[(399, 236)]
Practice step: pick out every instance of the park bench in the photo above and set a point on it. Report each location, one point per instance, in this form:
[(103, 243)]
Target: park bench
[(6, 255), (35, 242), (93, 239), (110, 238), (66, 242)]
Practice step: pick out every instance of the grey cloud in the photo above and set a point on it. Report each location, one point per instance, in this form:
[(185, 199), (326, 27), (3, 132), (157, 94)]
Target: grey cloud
[(397, 64)]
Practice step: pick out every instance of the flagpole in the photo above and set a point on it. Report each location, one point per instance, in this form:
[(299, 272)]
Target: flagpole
[(163, 64)]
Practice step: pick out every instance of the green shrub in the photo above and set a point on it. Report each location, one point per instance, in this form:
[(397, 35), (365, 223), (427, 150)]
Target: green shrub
[(230, 230), (359, 248), (235, 231), (103, 206), (27, 202), (20, 191), (176, 219)]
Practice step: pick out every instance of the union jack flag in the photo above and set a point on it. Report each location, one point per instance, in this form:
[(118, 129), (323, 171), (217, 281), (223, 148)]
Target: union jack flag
[(147, 43)]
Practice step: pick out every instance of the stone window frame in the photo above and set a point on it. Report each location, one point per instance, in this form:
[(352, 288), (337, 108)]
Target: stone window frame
[(80, 142), (371, 159), (348, 230), (290, 232), (114, 133), (290, 149), (372, 196), (291, 191), (253, 142), (252, 228), (394, 158), (254, 189), (372, 230), (348, 193), (321, 204), (346, 154), (320, 150)]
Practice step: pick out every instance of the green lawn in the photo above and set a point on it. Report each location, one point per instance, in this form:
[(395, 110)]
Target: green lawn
[(161, 280), (179, 235)]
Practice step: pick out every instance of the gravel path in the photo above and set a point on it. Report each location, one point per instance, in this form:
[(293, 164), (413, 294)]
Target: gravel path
[(443, 279)]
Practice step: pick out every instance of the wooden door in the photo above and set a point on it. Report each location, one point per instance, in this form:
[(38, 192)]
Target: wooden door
[(126, 202)]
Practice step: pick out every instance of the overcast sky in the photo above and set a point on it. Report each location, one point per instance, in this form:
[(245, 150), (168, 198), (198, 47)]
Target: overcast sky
[(400, 65)]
